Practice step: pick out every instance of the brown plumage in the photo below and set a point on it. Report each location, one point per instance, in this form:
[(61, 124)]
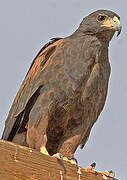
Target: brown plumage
[(65, 88)]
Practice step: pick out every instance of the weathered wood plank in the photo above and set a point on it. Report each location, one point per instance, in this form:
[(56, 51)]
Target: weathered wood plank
[(22, 163)]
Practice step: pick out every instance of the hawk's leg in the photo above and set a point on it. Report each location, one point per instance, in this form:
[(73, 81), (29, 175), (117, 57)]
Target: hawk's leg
[(40, 144), (68, 148), (36, 131)]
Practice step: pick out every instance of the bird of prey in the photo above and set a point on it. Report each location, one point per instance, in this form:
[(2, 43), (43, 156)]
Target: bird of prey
[(65, 89)]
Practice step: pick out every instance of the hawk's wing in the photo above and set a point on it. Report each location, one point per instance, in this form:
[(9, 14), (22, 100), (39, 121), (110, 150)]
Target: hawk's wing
[(29, 89)]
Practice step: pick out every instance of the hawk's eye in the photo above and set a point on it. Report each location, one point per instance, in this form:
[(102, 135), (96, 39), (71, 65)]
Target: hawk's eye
[(101, 18)]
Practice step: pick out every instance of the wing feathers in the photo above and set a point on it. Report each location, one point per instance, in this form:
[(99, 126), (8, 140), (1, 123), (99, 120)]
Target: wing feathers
[(16, 120)]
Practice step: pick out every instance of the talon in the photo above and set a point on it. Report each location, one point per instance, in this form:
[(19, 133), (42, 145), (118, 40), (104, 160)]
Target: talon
[(107, 173), (73, 159), (58, 156), (65, 159), (44, 150), (112, 172), (70, 159), (91, 167)]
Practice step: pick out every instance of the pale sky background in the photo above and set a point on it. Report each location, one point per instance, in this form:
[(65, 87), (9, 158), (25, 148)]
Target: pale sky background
[(25, 26)]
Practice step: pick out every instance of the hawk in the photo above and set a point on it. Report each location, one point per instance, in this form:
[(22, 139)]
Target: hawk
[(65, 89)]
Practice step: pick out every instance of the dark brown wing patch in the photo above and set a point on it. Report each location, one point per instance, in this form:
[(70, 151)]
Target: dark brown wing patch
[(22, 119)]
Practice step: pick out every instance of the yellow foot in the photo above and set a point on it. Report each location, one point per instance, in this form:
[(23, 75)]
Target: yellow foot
[(107, 173), (44, 150), (58, 155), (72, 161), (91, 167)]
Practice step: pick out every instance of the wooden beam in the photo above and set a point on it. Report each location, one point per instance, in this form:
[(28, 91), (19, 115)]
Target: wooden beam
[(22, 163)]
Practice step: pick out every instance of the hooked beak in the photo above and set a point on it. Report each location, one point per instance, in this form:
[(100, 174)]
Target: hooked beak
[(117, 27), (113, 24)]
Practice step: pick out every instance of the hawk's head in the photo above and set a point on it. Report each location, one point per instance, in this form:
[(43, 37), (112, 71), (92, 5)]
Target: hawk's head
[(101, 22)]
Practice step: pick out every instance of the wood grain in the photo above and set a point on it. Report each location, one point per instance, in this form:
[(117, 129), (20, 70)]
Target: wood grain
[(22, 163)]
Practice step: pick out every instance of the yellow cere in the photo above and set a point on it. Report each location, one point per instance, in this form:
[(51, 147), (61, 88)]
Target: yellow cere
[(110, 22)]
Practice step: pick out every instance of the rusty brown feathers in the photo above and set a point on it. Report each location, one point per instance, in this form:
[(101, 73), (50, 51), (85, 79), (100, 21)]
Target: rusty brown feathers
[(65, 88)]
